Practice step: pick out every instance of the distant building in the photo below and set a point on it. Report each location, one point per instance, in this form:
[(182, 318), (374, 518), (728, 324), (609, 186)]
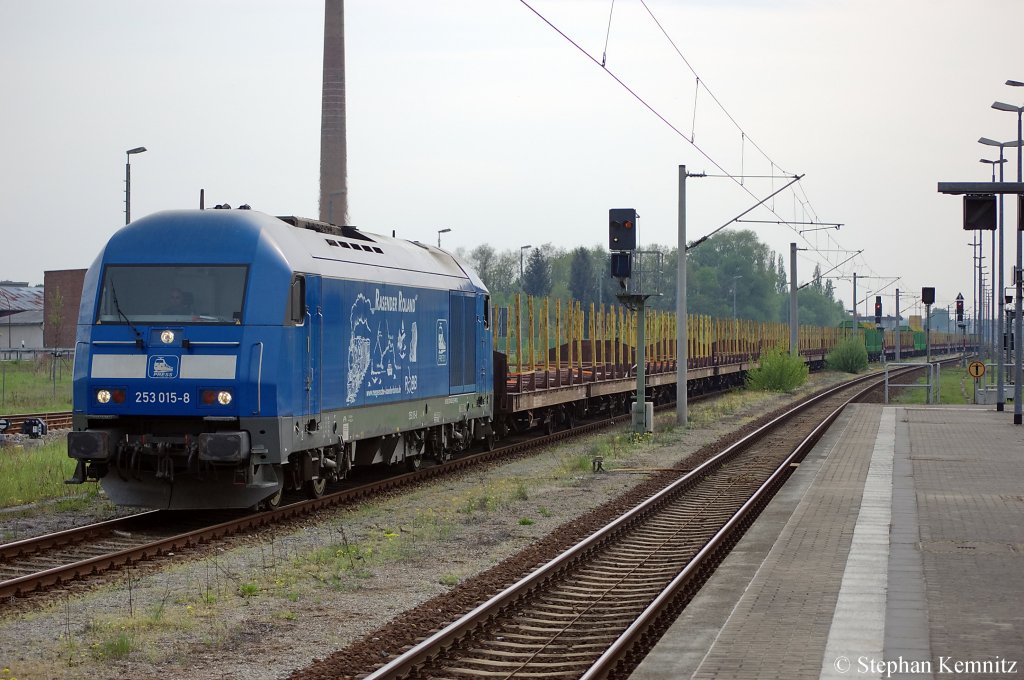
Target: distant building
[(22, 330), (60, 308), (21, 316)]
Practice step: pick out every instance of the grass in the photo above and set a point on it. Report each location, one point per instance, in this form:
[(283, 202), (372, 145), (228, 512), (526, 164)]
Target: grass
[(703, 413), (955, 387), (35, 386), (35, 473)]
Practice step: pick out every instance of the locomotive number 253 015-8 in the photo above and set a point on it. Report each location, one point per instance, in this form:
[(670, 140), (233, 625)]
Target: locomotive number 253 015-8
[(162, 397)]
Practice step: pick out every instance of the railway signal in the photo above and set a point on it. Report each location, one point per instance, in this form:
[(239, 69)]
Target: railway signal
[(878, 310), (622, 229), (960, 308)]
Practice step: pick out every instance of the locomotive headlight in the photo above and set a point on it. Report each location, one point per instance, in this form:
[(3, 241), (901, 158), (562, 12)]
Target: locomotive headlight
[(167, 337), (103, 396), (223, 397)]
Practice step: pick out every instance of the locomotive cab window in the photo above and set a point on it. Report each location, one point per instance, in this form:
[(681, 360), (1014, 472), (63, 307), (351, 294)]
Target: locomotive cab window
[(160, 294), (297, 300), (487, 311)]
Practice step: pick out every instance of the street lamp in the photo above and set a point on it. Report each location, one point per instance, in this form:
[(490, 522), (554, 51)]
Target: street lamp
[(1001, 324), (522, 249), (439, 232), (128, 182), (1018, 414), (738, 276)]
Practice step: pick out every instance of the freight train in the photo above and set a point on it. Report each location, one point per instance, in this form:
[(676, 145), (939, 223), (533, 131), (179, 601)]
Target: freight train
[(226, 356)]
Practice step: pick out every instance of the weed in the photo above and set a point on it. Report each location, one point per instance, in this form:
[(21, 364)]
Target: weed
[(543, 512), (525, 521), (574, 464), (248, 589), (449, 580), (778, 372), (848, 356), (117, 647)]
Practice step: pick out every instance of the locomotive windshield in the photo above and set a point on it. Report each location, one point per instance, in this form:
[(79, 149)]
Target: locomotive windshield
[(172, 294)]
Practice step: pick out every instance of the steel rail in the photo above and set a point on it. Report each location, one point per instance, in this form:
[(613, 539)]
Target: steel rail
[(688, 581), (451, 635), (56, 420), (40, 581)]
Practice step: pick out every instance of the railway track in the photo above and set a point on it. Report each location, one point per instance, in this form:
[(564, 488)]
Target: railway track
[(39, 564), (595, 609), (58, 420)]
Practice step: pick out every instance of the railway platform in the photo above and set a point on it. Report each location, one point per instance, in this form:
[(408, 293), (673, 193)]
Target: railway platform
[(895, 550)]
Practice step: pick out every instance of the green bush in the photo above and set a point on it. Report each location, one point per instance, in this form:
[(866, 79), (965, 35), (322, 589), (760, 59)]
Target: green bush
[(849, 356), (778, 372)]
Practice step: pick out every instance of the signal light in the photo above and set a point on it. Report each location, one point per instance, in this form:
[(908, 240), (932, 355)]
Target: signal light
[(622, 229), (960, 308), (878, 310)]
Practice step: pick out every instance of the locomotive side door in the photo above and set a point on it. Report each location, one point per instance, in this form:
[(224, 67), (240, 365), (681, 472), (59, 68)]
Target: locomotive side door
[(313, 359)]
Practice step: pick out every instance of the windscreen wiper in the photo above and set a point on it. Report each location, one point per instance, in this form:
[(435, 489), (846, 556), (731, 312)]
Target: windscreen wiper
[(138, 336)]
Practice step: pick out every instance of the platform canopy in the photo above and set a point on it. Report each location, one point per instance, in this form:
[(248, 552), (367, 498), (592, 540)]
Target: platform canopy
[(981, 187)]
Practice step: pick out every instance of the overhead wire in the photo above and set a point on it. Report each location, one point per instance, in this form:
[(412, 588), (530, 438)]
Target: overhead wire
[(805, 203)]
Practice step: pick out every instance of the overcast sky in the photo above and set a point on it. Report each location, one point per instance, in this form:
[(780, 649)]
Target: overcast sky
[(478, 117)]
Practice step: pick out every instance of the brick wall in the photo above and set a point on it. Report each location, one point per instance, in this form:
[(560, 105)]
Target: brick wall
[(63, 295)]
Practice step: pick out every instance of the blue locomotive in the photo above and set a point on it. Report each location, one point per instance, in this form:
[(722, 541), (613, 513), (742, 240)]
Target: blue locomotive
[(225, 356)]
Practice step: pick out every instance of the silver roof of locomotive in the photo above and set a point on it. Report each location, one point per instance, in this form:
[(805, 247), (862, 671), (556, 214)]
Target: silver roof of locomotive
[(350, 252)]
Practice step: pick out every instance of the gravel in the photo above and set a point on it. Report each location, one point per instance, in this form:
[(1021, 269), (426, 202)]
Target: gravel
[(268, 605)]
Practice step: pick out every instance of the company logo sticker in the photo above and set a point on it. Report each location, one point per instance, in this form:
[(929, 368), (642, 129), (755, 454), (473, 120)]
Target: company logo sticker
[(163, 367), (442, 342)]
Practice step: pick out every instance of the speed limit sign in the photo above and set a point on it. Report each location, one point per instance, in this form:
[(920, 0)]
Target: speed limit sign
[(976, 369)]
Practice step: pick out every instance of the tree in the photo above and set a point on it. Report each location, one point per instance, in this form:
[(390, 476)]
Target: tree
[(781, 281), (483, 258), (731, 258), (582, 284), (537, 276)]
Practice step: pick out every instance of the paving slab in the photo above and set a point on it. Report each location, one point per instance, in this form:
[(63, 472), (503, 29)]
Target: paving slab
[(895, 550)]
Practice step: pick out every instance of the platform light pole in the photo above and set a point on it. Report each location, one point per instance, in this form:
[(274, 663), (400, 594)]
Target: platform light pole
[(1018, 414), (128, 182), (439, 232), (1001, 283)]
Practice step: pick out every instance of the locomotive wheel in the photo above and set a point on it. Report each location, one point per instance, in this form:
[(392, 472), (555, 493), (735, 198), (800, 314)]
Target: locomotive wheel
[(274, 502), (315, 488), (412, 463), (489, 441)]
